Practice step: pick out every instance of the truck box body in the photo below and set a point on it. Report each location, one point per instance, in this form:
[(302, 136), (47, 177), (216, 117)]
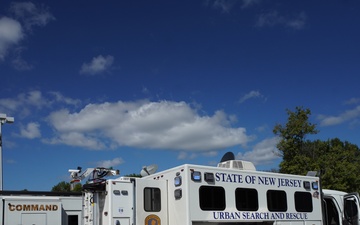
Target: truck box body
[(203, 194), (40, 208), (29, 211), (199, 195), (232, 193)]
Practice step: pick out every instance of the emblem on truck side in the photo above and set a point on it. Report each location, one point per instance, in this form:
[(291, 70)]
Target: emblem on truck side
[(152, 220)]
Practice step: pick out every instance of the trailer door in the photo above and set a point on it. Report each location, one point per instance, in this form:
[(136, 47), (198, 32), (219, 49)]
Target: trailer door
[(31, 219), (351, 209), (151, 202)]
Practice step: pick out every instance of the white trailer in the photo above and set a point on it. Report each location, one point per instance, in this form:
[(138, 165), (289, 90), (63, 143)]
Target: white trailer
[(232, 193), (33, 208)]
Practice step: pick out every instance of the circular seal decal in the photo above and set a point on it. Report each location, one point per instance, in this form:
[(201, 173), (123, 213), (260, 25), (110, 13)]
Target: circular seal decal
[(152, 220)]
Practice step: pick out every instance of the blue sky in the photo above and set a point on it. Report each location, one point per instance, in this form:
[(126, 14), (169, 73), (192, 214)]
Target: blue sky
[(133, 83)]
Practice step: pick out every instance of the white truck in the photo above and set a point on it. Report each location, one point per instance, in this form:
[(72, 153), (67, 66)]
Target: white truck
[(40, 208), (233, 193)]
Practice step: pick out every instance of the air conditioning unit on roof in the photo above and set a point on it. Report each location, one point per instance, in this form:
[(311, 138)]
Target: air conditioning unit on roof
[(237, 164)]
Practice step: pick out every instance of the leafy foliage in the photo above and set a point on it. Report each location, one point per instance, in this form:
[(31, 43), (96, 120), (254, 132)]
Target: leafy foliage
[(61, 187), (293, 134), (133, 175), (66, 187), (338, 162)]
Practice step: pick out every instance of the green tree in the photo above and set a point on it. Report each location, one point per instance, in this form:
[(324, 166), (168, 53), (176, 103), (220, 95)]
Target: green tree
[(338, 162), (66, 187), (293, 146), (77, 187), (133, 175), (61, 187)]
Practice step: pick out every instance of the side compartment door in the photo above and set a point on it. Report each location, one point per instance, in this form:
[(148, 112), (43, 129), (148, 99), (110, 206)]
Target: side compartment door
[(351, 209), (151, 202)]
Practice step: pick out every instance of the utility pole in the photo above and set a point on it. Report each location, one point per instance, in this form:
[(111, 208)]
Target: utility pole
[(3, 119)]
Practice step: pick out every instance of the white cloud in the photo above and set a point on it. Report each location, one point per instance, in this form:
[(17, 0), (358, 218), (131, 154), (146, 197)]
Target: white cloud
[(224, 5), (250, 95), (77, 139), (273, 18), (12, 30), (11, 34), (298, 22), (61, 98), (262, 128), (189, 156), (144, 124), (343, 117), (25, 103), (263, 153), (186, 156), (34, 98), (24, 100), (352, 101), (98, 65), (110, 163), (31, 131), (30, 14), (227, 5)]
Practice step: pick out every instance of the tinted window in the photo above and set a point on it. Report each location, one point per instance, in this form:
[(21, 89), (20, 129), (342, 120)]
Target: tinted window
[(303, 202), (212, 198), (276, 201), (246, 199), (152, 199), (73, 220)]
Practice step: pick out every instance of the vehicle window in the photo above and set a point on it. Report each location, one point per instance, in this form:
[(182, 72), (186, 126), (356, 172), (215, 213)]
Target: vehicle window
[(303, 201), (246, 199), (152, 199), (276, 201), (212, 198)]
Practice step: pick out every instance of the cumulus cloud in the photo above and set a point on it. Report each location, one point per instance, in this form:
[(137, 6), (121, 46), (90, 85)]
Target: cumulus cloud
[(77, 139), (348, 115), (11, 34), (31, 98), (143, 124), (31, 131), (24, 103), (98, 65), (263, 153), (273, 18), (14, 28)]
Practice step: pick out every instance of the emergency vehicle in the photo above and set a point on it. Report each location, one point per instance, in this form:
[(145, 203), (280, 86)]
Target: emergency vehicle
[(40, 208), (232, 193)]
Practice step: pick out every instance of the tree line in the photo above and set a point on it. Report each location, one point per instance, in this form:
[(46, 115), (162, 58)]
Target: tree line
[(337, 162)]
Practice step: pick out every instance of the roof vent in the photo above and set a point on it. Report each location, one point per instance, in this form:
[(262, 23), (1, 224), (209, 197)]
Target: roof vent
[(237, 164)]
